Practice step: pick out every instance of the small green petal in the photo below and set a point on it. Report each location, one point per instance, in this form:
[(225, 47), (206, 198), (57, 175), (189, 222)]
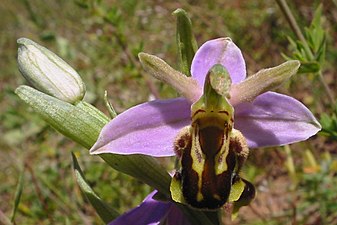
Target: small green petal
[(158, 68), (186, 43), (263, 81)]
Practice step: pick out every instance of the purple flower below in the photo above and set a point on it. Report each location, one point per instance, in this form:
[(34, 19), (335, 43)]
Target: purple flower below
[(271, 119), (152, 212)]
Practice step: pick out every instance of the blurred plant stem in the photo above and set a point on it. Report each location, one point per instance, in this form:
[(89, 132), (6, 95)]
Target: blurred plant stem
[(34, 17), (296, 29), (39, 192), (289, 163)]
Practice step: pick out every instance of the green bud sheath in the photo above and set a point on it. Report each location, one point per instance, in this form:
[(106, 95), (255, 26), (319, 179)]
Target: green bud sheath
[(73, 122), (82, 123)]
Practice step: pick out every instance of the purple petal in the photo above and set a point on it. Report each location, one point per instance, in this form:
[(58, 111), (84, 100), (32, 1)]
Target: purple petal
[(176, 217), (274, 119), (148, 128), (150, 212), (218, 51)]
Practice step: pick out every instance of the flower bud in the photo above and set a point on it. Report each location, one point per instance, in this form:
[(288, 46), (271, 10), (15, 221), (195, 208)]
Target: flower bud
[(49, 73)]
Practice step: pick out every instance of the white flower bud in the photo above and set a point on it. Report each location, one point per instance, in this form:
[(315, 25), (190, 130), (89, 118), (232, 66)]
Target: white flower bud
[(49, 73)]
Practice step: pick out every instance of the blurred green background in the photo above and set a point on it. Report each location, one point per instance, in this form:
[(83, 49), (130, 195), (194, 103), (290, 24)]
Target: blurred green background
[(101, 40)]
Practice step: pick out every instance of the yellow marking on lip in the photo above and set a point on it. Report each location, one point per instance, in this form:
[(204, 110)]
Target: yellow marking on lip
[(220, 159), (198, 159), (200, 197), (197, 155), (216, 197)]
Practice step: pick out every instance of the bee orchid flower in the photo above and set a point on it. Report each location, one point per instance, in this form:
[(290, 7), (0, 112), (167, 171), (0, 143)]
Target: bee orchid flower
[(265, 118)]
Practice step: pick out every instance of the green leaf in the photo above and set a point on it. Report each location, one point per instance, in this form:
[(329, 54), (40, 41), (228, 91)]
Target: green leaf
[(316, 21), (106, 212), (312, 50), (329, 125), (325, 121), (18, 194), (186, 43), (309, 67)]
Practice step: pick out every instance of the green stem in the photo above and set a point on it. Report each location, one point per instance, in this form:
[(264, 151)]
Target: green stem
[(294, 26), (326, 88), (108, 105), (296, 29)]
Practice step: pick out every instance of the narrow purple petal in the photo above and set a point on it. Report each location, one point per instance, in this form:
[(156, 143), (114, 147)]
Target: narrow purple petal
[(176, 216), (218, 51), (150, 212), (148, 128), (274, 119)]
